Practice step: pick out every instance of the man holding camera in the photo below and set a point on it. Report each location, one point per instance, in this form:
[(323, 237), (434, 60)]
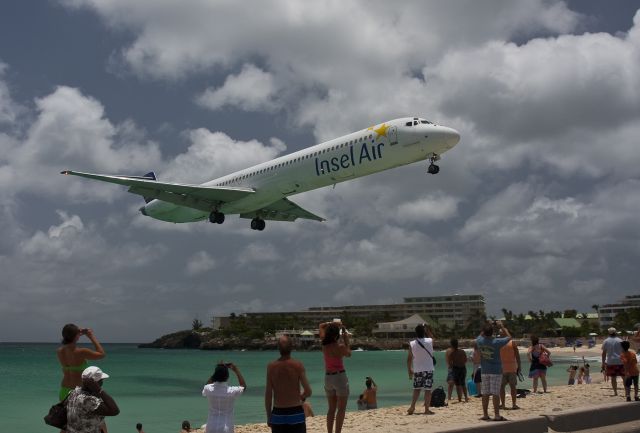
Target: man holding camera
[(420, 366), (491, 366)]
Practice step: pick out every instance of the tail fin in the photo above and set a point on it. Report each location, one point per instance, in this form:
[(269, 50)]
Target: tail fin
[(151, 176)]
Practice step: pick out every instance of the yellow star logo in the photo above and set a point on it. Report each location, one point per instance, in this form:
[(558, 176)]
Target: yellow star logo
[(382, 130)]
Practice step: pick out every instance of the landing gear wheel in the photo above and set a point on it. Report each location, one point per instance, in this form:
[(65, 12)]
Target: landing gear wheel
[(216, 217), (433, 169), (257, 224)]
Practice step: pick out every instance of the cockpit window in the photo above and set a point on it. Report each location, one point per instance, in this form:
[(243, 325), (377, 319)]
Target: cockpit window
[(409, 124), (426, 122)]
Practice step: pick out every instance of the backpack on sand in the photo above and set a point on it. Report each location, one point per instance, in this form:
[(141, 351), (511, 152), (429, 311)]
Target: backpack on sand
[(438, 397)]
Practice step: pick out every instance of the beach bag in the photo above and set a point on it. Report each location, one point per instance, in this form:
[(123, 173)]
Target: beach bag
[(471, 387), (57, 416), (438, 397), (545, 359)]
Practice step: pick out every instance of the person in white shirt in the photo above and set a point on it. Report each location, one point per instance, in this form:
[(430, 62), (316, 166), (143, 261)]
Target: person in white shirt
[(221, 398), (420, 366), (611, 361)]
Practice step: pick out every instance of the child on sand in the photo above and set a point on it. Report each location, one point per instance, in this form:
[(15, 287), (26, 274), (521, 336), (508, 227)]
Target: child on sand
[(362, 403), (587, 375), (581, 376), (572, 370), (630, 363), (476, 375), (306, 406), (186, 427)]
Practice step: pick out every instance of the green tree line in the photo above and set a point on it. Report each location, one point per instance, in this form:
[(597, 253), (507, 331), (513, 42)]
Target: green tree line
[(539, 323)]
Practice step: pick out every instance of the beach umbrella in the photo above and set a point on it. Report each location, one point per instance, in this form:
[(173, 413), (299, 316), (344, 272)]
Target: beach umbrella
[(592, 334)]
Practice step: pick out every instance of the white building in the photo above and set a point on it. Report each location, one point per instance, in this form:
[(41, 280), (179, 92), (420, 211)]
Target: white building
[(609, 312), (399, 328)]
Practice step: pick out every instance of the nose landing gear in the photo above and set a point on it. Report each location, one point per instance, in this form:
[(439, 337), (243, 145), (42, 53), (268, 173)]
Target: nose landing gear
[(433, 169)]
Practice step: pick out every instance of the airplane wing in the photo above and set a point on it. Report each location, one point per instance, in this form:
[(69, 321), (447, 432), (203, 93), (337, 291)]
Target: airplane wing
[(283, 210), (194, 196)]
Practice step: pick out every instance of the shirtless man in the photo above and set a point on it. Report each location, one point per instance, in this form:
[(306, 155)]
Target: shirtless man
[(282, 396)]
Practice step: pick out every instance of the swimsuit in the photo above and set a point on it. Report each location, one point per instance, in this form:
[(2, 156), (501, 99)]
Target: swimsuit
[(288, 420), (335, 378), (64, 391), (79, 368)]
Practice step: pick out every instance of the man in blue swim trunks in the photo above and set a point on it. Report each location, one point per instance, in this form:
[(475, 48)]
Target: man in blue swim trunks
[(283, 397)]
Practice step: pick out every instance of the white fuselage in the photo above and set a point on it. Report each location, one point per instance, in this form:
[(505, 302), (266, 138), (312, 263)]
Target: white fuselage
[(388, 145)]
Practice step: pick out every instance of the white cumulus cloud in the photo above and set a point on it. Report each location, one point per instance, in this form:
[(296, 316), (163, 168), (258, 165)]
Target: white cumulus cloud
[(251, 90), (199, 263), (434, 207)]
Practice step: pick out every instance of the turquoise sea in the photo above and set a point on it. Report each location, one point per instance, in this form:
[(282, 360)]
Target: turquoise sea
[(161, 388)]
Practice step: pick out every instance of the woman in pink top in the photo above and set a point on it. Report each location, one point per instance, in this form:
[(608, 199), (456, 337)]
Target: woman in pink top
[(336, 384)]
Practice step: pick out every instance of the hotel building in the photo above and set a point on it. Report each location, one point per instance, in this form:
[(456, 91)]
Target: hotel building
[(450, 310), (608, 312)]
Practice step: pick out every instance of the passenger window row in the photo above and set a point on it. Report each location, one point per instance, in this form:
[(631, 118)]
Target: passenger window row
[(300, 158)]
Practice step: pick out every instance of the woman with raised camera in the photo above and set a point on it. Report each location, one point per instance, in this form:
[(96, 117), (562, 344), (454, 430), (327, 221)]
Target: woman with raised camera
[(73, 359), (335, 346)]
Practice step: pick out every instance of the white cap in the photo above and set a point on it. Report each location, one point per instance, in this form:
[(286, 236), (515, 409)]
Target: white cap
[(94, 373), (612, 331)]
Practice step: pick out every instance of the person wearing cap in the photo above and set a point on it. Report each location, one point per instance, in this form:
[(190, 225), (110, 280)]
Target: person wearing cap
[(87, 405), (611, 361), (222, 397)]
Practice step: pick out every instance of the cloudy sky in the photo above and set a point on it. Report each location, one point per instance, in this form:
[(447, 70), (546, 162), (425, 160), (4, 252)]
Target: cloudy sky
[(536, 208)]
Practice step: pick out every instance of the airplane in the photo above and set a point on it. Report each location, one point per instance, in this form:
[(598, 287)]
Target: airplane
[(260, 192)]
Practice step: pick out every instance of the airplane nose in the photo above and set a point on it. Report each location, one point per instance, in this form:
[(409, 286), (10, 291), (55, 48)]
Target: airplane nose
[(143, 211), (453, 137)]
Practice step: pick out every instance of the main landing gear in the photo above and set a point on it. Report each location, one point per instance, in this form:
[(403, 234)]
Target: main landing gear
[(216, 217), (257, 224), (433, 169)]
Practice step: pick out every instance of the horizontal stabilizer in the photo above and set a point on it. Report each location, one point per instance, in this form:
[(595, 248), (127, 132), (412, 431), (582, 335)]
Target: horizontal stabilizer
[(194, 196)]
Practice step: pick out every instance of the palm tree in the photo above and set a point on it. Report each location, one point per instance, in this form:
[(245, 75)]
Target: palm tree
[(596, 307)]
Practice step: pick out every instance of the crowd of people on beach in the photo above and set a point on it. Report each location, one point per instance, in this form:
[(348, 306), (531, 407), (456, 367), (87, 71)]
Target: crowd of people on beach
[(496, 364)]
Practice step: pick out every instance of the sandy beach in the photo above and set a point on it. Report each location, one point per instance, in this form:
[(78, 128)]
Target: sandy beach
[(466, 414)]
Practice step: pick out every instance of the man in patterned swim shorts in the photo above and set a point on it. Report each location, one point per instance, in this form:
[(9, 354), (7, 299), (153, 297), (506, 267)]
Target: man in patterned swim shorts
[(491, 366), (420, 367)]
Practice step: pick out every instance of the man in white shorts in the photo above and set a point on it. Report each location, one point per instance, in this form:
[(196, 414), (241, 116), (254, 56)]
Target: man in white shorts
[(491, 366), (420, 367)]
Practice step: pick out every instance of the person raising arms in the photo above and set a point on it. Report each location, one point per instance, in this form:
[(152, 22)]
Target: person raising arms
[(73, 359), (335, 347)]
